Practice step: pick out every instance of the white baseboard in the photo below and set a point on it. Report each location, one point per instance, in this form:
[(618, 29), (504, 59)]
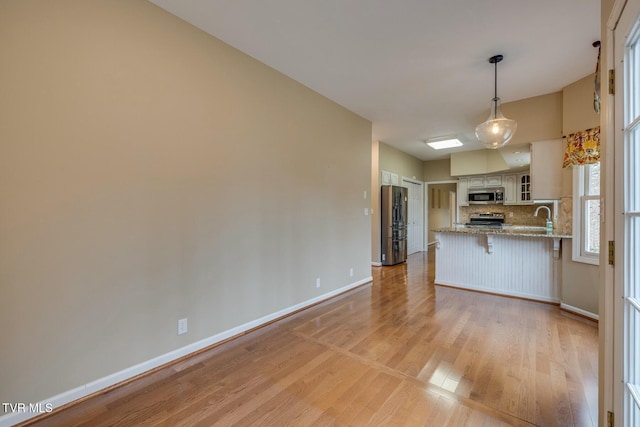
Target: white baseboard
[(506, 293), (35, 409), (581, 312), (376, 264)]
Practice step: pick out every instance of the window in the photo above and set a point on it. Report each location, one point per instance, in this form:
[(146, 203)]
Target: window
[(586, 213)]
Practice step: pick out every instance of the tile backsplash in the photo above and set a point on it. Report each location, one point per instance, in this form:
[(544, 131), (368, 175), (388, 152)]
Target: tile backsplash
[(513, 214)]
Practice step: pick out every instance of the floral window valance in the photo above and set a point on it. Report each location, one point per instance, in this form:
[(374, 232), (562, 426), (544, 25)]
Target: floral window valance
[(583, 148)]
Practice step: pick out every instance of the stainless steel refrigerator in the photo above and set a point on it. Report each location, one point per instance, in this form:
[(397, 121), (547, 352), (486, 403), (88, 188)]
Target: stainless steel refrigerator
[(394, 224)]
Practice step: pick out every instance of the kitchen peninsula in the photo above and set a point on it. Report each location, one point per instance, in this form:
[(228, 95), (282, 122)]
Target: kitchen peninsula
[(515, 261)]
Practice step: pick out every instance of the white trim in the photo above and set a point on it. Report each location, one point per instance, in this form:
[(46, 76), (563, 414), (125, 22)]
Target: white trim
[(127, 373), (447, 181), (411, 180), (426, 205), (576, 310), (577, 253), (614, 17), (623, 20), (607, 365), (500, 292), (376, 264), (422, 212)]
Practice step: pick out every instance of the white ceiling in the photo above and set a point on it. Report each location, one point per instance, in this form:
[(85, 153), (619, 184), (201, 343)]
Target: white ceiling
[(416, 68)]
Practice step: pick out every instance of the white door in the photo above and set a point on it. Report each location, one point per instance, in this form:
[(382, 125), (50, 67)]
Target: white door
[(626, 393), (415, 221)]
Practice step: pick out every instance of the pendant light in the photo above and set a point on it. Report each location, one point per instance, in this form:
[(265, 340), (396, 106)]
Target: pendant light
[(497, 130)]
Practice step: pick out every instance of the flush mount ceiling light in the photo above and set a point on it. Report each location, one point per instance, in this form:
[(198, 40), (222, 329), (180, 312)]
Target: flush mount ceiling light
[(497, 130), (442, 143)]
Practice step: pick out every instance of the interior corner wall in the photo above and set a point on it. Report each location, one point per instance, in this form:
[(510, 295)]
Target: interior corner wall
[(403, 164), (539, 118), (577, 106), (577, 114), (579, 280), (437, 170), (148, 173)]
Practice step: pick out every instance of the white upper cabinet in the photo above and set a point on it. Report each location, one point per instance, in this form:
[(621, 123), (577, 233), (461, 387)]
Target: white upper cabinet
[(493, 181), (524, 189), (476, 181), (463, 190), (483, 181), (546, 169), (510, 189)]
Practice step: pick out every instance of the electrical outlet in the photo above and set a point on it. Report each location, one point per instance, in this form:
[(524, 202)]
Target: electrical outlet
[(510, 214), (318, 282), (351, 272), (366, 211), (182, 326)]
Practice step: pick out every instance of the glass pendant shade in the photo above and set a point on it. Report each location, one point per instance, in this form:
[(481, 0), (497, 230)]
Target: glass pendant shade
[(497, 130)]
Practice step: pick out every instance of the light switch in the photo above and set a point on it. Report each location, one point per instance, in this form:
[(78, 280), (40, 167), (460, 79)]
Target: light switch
[(366, 211)]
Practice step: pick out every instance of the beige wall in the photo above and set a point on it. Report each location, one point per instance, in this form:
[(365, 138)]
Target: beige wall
[(393, 160), (578, 114), (149, 172), (396, 161), (375, 202), (577, 106), (437, 170), (579, 280), (538, 118), (477, 162)]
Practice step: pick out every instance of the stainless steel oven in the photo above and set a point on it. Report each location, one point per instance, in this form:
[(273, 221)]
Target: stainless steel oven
[(486, 220)]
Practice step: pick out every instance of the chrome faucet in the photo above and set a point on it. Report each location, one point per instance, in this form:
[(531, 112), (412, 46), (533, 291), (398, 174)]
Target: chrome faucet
[(548, 212), (549, 223)]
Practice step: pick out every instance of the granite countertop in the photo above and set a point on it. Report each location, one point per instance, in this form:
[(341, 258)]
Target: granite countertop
[(512, 230)]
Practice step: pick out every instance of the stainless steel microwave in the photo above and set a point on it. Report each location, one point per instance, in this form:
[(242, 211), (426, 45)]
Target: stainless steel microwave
[(486, 196)]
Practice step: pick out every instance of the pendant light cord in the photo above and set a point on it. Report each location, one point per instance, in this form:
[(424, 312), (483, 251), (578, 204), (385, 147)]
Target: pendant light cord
[(495, 88)]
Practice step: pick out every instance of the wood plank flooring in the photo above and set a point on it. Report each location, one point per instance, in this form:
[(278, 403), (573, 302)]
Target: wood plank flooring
[(398, 352)]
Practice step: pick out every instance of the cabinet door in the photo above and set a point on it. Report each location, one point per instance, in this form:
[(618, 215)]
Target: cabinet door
[(493, 181), (546, 169), (463, 190), (476, 182), (510, 189), (524, 189)]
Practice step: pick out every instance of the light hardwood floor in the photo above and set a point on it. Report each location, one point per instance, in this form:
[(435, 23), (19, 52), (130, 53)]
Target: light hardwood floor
[(398, 352)]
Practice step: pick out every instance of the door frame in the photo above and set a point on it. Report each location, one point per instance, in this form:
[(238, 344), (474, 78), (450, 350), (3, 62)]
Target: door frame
[(421, 184), (611, 389), (426, 205)]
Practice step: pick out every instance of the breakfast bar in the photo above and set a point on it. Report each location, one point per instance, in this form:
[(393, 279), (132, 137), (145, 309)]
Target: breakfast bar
[(515, 261)]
